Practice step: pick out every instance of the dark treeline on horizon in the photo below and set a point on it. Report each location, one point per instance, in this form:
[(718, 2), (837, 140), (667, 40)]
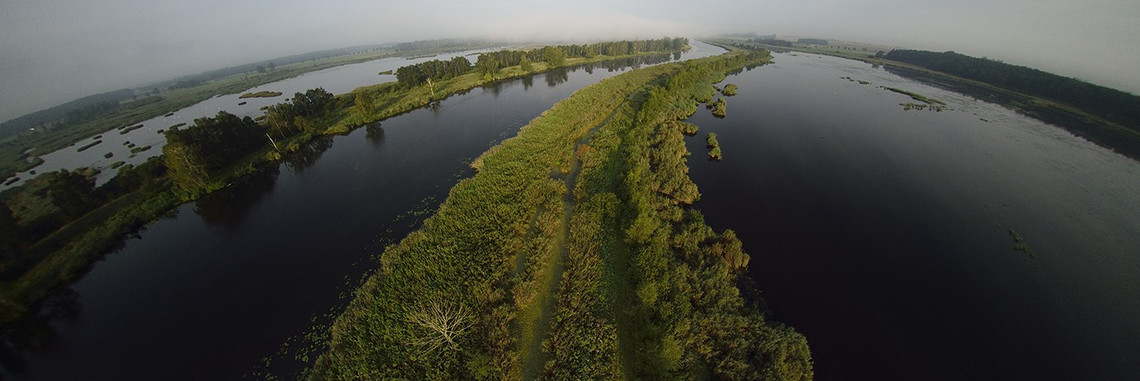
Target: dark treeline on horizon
[(82, 108), (554, 56), (1113, 105)]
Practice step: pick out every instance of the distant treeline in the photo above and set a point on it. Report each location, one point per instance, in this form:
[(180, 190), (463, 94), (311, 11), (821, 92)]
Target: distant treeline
[(1113, 105), (413, 75), (88, 105), (444, 44), (773, 42), (812, 41), (554, 56)]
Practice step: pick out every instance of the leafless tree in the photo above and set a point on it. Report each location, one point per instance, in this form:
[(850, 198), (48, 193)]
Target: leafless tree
[(443, 322)]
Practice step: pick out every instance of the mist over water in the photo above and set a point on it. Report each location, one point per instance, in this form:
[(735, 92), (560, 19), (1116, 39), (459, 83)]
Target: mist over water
[(61, 50)]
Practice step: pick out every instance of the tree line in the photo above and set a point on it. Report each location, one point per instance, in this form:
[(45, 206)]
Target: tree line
[(1110, 104), (490, 63)]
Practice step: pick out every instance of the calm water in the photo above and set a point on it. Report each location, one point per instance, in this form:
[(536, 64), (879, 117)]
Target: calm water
[(883, 234), (210, 292), (337, 80)]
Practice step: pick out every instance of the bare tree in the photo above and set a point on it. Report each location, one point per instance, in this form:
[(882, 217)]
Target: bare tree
[(444, 324)]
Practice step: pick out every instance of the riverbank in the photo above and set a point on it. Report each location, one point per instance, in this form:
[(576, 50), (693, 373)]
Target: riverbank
[(89, 237), (1113, 135), (16, 151), (447, 299)]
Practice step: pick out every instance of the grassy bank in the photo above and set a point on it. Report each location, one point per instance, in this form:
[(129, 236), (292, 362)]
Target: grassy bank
[(15, 151), (646, 291), (64, 255)]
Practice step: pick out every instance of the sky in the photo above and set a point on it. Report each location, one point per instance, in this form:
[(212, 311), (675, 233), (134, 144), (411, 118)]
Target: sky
[(54, 51)]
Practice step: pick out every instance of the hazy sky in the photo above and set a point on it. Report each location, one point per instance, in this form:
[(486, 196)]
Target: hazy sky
[(54, 51)]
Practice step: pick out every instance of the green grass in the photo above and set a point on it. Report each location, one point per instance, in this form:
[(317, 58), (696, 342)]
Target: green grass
[(67, 252), (714, 147), (490, 248)]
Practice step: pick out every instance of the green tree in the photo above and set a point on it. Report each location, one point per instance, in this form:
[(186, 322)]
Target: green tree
[(488, 66), (195, 155), (525, 64), (72, 193), (554, 56)]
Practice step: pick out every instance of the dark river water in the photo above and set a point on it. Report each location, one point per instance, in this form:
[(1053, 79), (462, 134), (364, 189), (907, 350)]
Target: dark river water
[(884, 235), (219, 288)]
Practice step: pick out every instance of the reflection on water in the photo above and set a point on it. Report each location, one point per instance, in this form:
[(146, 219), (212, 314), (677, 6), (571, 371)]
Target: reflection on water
[(228, 209), (375, 134), (308, 154), (556, 76), (263, 259), (38, 331), (885, 235)]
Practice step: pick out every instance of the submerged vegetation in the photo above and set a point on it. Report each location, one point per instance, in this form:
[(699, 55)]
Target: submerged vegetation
[(1019, 243), (915, 96), (591, 197)]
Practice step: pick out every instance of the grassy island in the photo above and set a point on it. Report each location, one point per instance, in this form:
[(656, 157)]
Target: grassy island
[(713, 146), (572, 254), (55, 245), (719, 109), (729, 90), (261, 94)]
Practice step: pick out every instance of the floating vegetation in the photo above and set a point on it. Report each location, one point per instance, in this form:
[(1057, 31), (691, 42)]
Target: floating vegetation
[(719, 109), (729, 90), (714, 147), (917, 97), (118, 164), (261, 94), (139, 149), (859, 81), (242, 103), (386, 72), (1019, 243), (169, 114), (177, 125), (160, 131), (129, 129), (92, 144), (108, 155), (97, 137), (12, 180), (922, 106)]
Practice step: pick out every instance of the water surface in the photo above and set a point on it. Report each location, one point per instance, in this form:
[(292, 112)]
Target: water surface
[(884, 235), (214, 290)]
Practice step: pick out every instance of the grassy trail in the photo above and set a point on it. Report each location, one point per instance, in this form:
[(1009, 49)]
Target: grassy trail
[(535, 320)]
